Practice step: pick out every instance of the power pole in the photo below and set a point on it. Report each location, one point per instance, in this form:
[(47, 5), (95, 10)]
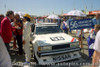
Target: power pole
[(85, 8), (5, 7), (91, 5), (53, 12), (62, 12)]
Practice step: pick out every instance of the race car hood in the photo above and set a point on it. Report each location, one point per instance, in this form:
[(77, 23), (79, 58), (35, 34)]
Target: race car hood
[(54, 39)]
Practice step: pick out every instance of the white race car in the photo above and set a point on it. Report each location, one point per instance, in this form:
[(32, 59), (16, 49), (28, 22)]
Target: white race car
[(51, 45)]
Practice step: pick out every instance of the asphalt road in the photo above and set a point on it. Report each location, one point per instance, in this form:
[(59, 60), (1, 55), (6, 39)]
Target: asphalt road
[(84, 61)]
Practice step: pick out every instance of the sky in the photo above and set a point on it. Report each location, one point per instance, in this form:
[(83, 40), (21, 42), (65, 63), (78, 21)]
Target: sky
[(47, 7)]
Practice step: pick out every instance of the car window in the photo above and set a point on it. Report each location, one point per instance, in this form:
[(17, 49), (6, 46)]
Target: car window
[(47, 29)]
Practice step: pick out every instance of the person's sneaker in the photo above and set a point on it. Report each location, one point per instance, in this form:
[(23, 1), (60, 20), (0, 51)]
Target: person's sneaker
[(15, 49), (19, 53), (83, 37), (26, 64)]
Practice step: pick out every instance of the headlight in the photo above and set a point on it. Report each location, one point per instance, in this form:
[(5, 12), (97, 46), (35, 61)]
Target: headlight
[(44, 48), (74, 44)]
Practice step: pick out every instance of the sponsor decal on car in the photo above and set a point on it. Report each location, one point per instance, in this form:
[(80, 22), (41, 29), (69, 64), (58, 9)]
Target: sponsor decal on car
[(57, 38)]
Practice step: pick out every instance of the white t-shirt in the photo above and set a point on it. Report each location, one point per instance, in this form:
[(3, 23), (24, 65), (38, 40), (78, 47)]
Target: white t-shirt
[(97, 42), (5, 60), (65, 24)]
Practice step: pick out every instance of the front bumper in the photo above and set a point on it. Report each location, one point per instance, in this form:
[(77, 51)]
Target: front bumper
[(57, 52), (55, 56)]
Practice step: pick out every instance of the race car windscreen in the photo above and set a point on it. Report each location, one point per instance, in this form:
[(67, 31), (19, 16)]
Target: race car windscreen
[(47, 29)]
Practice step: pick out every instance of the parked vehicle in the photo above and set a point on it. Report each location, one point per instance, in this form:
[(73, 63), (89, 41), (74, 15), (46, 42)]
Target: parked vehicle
[(51, 45)]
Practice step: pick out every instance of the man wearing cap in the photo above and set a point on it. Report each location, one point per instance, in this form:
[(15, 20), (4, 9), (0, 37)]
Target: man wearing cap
[(26, 37)]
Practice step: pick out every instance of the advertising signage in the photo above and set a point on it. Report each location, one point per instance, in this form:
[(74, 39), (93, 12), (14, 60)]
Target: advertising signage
[(80, 24)]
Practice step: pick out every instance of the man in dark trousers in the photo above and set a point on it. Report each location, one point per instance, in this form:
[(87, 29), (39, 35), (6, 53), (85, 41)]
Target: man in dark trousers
[(6, 28), (19, 33)]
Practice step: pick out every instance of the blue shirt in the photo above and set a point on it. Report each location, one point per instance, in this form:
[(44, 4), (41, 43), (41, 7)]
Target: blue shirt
[(95, 21)]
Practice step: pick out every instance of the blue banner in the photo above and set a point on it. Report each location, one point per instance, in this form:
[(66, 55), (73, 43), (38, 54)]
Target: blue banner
[(80, 24)]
